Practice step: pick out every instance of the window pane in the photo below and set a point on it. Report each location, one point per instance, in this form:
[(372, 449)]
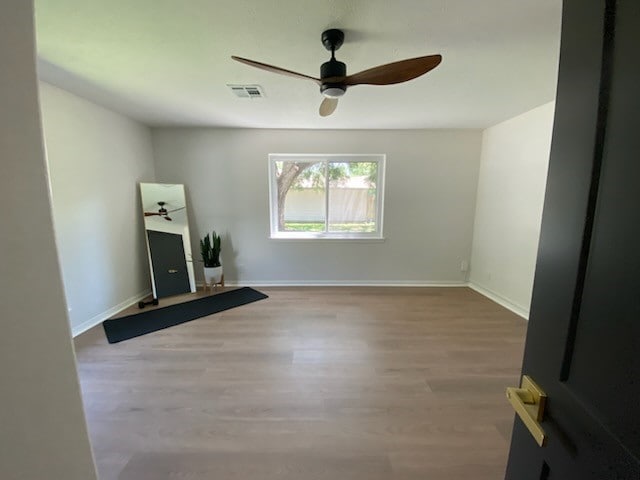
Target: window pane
[(352, 196), (301, 203)]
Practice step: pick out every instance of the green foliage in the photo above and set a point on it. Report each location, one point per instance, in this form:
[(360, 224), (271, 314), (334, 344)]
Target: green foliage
[(313, 174), (368, 169), (334, 227), (210, 250), (303, 227)]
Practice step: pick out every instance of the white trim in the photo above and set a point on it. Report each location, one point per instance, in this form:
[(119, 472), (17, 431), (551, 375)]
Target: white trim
[(323, 156), (307, 237), (343, 283), (500, 300), (101, 317)]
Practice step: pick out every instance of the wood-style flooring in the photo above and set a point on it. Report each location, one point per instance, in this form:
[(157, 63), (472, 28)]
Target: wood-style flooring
[(311, 383)]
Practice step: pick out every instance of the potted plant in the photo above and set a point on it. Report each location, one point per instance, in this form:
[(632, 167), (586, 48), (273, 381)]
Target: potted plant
[(210, 250)]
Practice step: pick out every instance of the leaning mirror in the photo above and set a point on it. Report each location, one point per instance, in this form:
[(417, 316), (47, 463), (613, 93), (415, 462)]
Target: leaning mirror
[(168, 242)]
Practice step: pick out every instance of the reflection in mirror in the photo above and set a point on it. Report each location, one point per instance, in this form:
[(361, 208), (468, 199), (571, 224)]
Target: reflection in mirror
[(168, 241)]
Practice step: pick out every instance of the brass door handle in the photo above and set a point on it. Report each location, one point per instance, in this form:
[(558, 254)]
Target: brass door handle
[(529, 402)]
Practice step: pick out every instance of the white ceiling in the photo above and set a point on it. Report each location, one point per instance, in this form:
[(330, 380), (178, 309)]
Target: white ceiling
[(167, 62)]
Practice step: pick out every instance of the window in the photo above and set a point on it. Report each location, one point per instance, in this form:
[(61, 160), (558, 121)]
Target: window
[(326, 196)]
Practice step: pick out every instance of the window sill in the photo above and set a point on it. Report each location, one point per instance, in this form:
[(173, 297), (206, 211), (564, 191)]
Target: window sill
[(319, 238)]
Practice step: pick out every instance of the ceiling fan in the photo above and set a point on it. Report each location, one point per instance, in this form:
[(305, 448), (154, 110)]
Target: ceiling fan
[(334, 80), (163, 212)]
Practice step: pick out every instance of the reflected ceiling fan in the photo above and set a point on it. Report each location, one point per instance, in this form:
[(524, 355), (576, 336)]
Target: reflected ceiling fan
[(334, 80), (163, 212)]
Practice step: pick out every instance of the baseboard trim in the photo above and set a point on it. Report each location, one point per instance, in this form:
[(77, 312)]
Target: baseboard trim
[(339, 283), (500, 300), (101, 317)]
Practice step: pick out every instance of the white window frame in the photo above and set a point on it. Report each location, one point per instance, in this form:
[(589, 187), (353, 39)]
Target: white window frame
[(380, 159)]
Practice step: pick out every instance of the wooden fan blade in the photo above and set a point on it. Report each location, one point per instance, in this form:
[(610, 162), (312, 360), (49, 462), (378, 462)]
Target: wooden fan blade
[(396, 72), (328, 106), (274, 69), (176, 209), (150, 214)]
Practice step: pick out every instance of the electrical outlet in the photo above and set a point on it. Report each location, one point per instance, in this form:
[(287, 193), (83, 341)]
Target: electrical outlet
[(464, 266)]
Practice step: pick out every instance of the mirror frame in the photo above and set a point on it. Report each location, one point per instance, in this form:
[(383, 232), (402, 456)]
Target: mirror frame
[(173, 194)]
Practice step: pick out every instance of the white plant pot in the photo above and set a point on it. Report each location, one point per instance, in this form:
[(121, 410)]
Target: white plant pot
[(213, 275)]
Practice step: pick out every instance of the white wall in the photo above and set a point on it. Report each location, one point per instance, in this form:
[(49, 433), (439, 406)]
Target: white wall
[(42, 427), (513, 174), (431, 179), (96, 157)]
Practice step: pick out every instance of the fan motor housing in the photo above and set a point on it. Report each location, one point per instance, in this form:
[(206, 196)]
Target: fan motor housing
[(330, 69), (333, 68)]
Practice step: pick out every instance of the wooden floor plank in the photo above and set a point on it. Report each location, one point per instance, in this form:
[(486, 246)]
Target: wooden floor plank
[(312, 383)]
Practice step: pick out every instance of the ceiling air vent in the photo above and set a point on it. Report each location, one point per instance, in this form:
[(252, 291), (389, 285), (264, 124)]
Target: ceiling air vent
[(247, 91)]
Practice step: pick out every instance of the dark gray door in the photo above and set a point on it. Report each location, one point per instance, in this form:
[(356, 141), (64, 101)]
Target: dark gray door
[(583, 342), (169, 263)]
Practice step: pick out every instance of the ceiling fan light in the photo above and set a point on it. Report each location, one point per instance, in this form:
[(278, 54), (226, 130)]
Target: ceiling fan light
[(333, 92)]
